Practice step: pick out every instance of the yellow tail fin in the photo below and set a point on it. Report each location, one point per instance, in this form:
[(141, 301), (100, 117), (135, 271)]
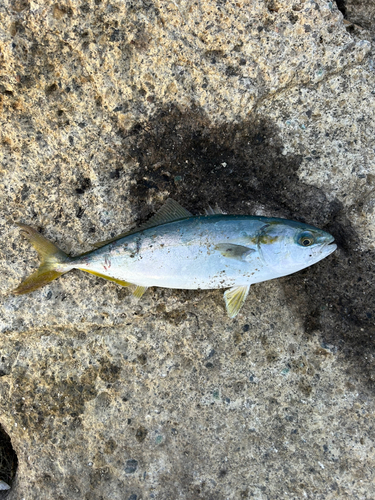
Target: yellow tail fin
[(51, 257)]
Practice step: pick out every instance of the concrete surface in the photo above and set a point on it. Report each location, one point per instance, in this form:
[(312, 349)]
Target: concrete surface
[(262, 107)]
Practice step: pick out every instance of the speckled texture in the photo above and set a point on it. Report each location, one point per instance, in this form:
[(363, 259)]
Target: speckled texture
[(361, 13), (109, 108)]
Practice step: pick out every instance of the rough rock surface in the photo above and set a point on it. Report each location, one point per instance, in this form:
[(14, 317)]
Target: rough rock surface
[(361, 13), (107, 109)]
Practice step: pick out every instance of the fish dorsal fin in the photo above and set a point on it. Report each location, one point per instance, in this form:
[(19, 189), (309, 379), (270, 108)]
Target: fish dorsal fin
[(169, 212), (232, 251), (214, 211), (234, 299)]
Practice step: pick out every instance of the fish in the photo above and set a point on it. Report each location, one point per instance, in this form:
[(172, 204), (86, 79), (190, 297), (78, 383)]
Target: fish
[(4, 486), (175, 249)]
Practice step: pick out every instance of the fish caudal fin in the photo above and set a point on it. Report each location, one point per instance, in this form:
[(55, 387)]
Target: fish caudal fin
[(51, 258)]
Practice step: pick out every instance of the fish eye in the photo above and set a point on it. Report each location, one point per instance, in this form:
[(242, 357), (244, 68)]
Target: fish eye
[(306, 239)]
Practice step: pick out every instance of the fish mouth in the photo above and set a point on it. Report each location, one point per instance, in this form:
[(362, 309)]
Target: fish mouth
[(330, 239), (329, 247), (325, 247)]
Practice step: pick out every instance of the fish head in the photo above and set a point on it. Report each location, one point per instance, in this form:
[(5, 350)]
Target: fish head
[(288, 246)]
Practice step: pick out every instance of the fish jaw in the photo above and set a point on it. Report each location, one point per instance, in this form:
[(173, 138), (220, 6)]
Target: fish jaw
[(323, 251)]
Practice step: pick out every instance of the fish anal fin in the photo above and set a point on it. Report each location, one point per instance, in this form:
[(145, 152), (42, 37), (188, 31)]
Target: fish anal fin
[(119, 282), (139, 291), (232, 251), (235, 298)]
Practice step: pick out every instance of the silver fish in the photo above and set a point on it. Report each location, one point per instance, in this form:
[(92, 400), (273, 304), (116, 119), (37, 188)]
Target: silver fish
[(174, 249), (4, 486)]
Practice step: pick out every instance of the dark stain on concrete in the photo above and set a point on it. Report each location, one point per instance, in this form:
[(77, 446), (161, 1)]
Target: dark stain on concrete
[(241, 167), (141, 434), (45, 399), (109, 372)]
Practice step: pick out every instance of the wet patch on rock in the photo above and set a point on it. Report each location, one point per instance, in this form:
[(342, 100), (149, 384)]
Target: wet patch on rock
[(141, 434), (337, 301), (241, 168), (109, 372), (41, 401)]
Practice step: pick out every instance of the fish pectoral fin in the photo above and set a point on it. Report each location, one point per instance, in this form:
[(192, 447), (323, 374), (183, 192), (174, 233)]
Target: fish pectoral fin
[(139, 291), (119, 282), (232, 251), (235, 298)]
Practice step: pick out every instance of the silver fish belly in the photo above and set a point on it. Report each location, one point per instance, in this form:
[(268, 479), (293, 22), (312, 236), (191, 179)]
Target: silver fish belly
[(174, 249)]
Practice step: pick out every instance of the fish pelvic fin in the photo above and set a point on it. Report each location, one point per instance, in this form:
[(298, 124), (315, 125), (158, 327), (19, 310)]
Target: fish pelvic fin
[(51, 257), (235, 298)]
